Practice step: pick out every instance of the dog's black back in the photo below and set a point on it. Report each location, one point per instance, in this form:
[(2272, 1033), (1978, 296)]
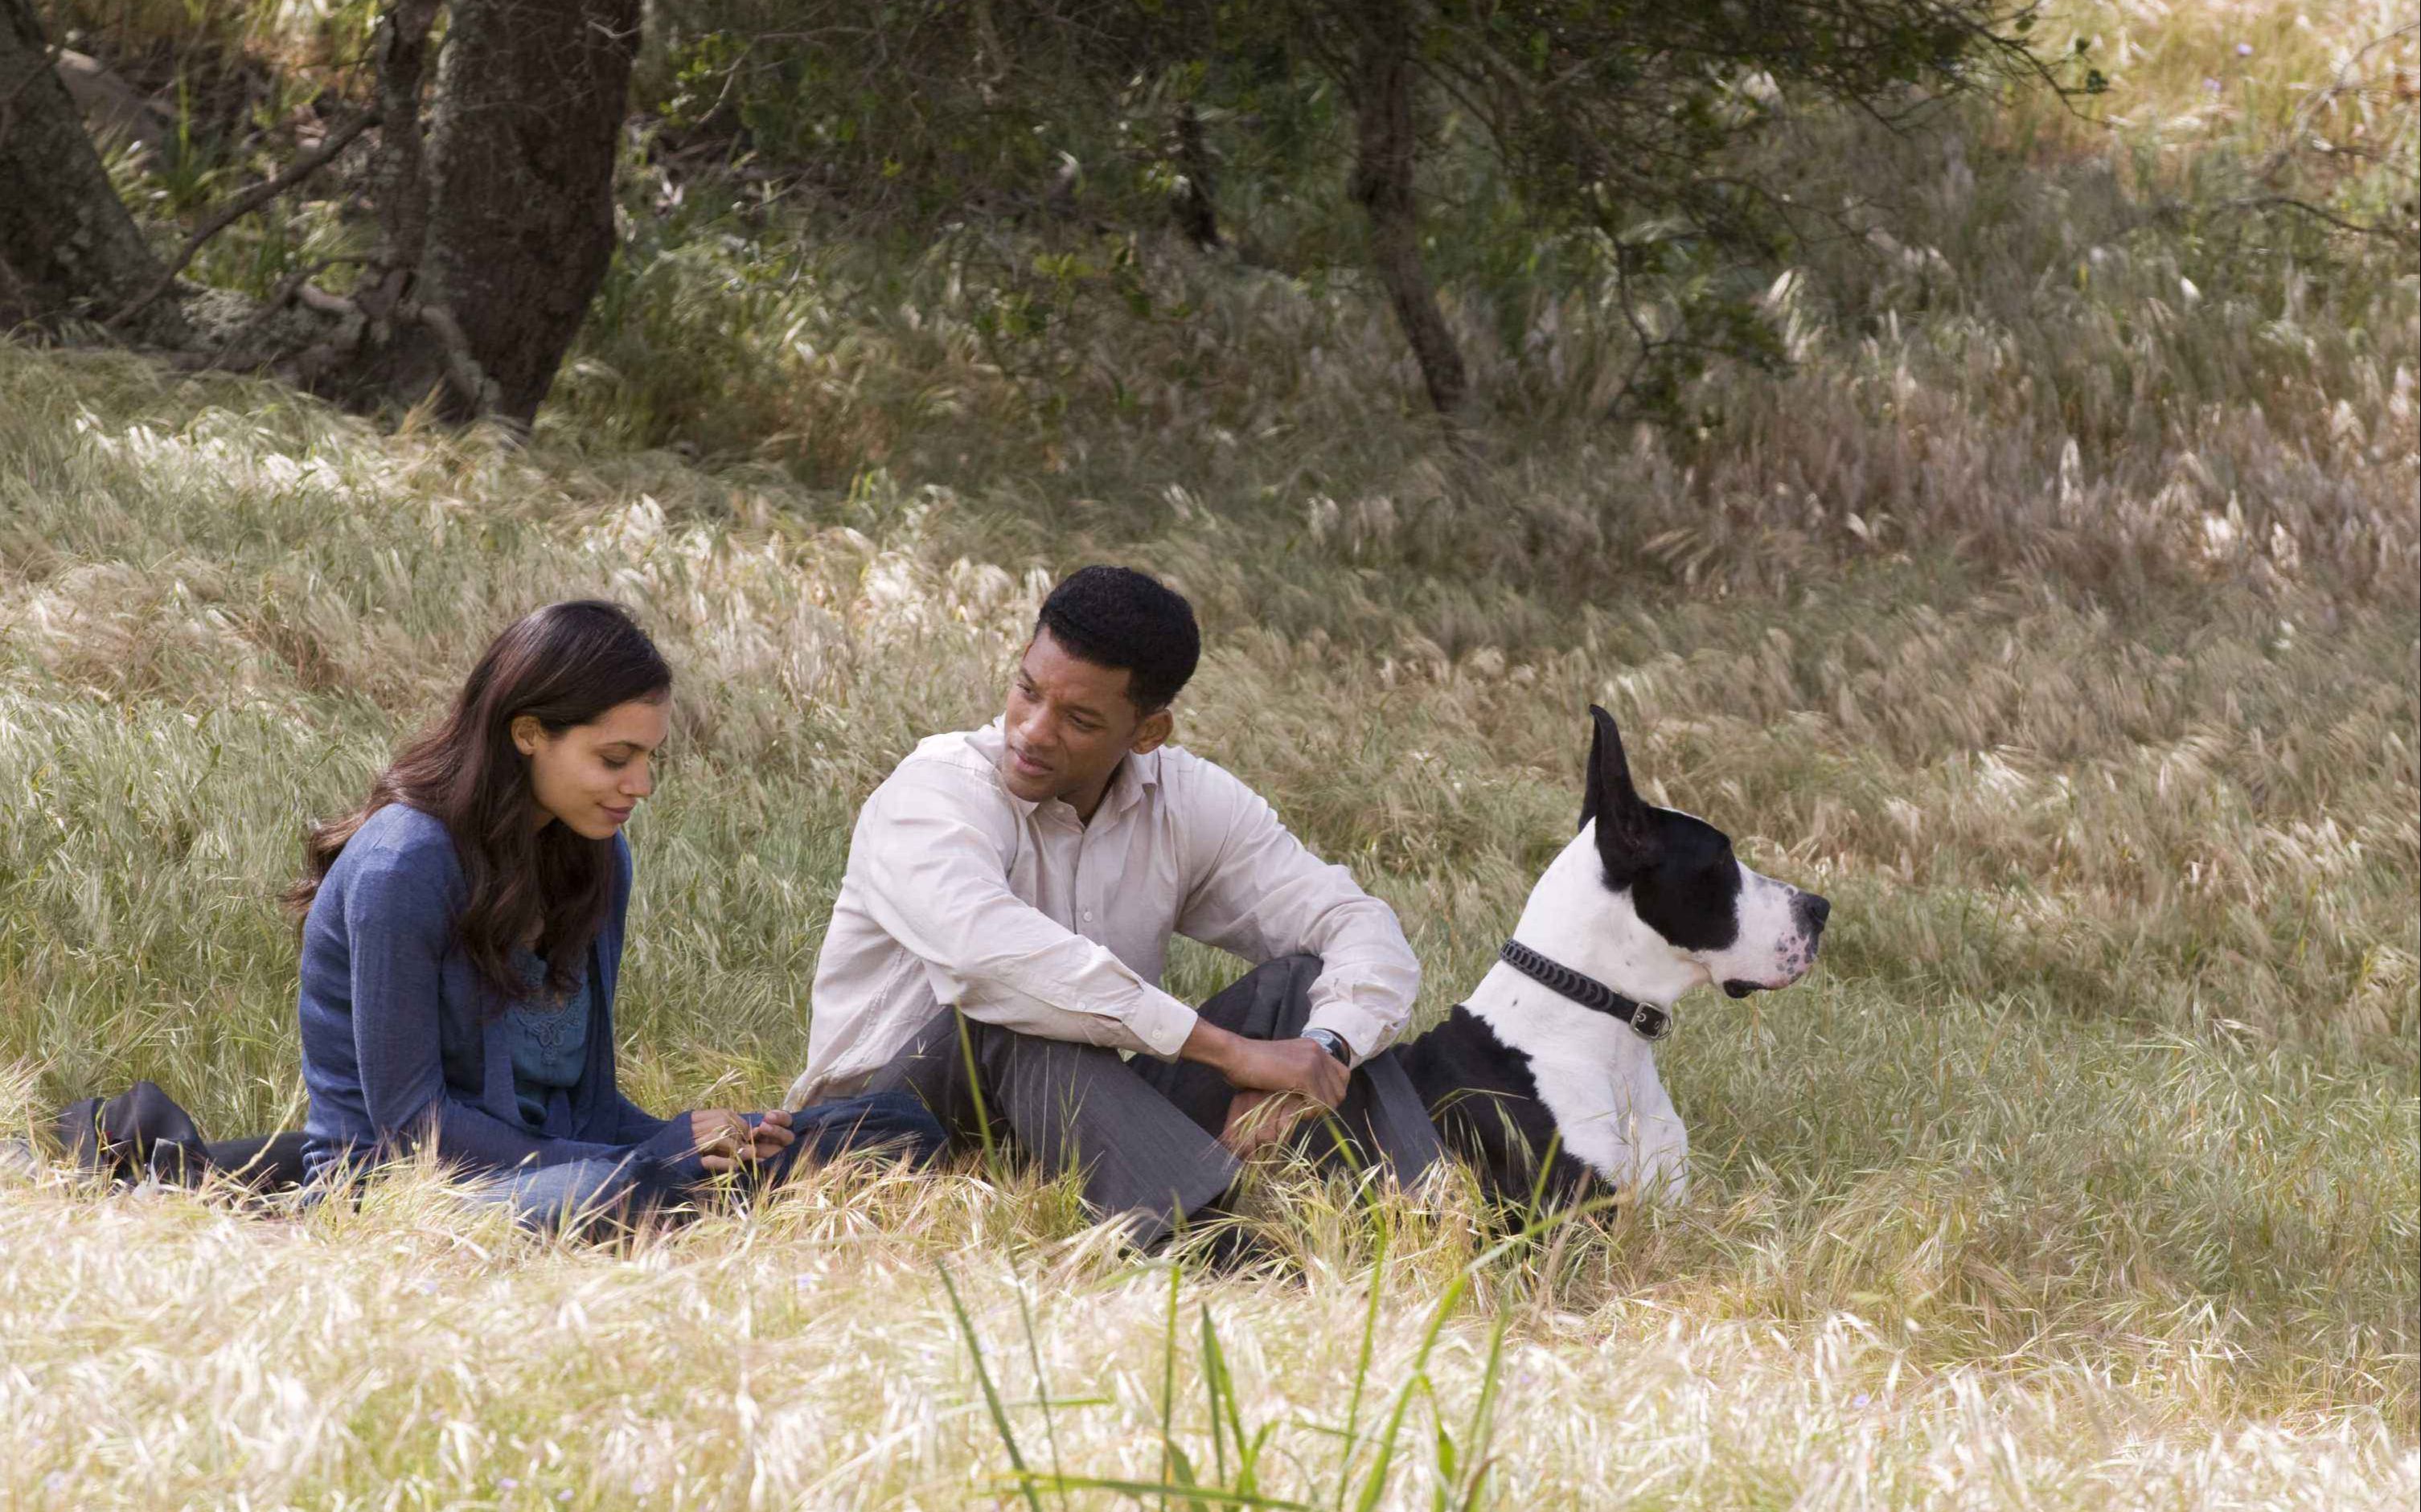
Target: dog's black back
[(1481, 1095)]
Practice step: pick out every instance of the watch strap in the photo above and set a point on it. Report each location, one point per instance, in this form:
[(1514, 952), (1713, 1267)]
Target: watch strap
[(1332, 1042)]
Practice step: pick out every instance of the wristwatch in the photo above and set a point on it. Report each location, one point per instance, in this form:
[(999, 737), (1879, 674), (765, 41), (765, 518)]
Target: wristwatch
[(1332, 1042)]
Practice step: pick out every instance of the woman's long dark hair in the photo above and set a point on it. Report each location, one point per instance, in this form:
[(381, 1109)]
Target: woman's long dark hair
[(563, 665)]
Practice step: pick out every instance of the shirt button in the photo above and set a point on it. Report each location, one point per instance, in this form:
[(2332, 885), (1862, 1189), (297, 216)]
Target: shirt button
[(1088, 916)]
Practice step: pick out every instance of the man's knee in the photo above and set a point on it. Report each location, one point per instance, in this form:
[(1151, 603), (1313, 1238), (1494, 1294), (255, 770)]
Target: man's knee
[(1296, 972), (1273, 1001)]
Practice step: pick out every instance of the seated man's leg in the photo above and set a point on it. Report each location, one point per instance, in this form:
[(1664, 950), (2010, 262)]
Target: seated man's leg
[(1067, 1105), (1382, 1113), (1270, 1002), (892, 1124)]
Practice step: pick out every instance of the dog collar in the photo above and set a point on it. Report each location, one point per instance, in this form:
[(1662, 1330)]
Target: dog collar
[(1647, 1022)]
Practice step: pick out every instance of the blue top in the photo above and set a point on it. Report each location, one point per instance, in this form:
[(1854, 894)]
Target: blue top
[(548, 1039), (403, 1042)]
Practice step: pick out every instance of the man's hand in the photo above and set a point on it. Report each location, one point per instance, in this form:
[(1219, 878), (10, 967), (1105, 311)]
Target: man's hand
[(773, 1133), (1256, 1119), (1296, 1066)]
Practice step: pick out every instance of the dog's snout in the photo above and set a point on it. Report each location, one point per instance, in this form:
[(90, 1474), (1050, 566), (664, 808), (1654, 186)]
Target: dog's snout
[(1813, 909)]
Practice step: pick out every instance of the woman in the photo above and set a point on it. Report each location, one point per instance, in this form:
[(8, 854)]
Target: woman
[(463, 938)]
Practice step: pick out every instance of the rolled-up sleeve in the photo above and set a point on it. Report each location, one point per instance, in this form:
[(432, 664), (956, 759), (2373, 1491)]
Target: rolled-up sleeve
[(1262, 894), (935, 878)]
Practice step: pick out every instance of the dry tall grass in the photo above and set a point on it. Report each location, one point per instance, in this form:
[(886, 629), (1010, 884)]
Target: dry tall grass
[(2059, 626)]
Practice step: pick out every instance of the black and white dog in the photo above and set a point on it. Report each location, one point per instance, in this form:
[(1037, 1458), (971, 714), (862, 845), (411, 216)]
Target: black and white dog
[(1555, 1050)]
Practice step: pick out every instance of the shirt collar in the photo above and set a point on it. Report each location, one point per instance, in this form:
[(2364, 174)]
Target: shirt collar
[(1138, 771)]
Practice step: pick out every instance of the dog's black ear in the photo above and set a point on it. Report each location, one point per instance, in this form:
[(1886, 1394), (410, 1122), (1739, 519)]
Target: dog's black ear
[(1626, 831)]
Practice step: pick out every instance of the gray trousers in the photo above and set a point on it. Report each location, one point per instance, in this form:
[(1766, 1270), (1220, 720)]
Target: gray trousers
[(1144, 1133)]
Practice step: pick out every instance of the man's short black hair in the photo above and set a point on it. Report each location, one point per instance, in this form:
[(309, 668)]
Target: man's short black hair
[(1126, 620)]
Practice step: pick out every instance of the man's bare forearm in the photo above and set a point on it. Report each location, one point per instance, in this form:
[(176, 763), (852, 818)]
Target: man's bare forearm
[(1267, 1065), (1209, 1045)]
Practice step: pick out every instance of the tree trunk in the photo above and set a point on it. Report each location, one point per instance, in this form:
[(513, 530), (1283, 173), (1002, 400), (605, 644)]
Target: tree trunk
[(379, 348), (1197, 208), (67, 247), (494, 232), (399, 175), (530, 101), (1385, 140)]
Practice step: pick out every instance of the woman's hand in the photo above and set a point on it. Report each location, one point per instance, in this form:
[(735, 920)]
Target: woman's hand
[(718, 1135), (723, 1138)]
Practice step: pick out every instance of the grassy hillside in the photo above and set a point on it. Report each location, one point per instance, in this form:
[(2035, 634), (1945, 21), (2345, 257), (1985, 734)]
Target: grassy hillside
[(2057, 616)]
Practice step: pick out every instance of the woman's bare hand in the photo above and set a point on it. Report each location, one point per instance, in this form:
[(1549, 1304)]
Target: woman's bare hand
[(722, 1138), (725, 1140)]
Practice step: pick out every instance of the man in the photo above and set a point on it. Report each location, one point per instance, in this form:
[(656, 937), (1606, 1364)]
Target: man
[(1005, 913)]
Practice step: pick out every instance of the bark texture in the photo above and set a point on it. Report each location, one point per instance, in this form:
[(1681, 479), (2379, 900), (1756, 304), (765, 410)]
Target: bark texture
[(1197, 208), (400, 187), (495, 219), (530, 101), (376, 346), (1385, 143), (67, 246)]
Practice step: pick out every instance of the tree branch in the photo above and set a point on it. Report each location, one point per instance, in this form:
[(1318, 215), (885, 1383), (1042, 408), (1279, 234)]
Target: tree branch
[(245, 204), (232, 351), (2320, 99), (461, 369), (2391, 233)]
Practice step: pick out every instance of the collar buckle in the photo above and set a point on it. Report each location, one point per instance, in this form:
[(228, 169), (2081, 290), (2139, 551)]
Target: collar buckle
[(1647, 1021)]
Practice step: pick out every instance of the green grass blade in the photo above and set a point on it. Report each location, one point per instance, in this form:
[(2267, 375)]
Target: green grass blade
[(1041, 1383), (1481, 1428), (991, 1396), (1362, 1366), (1204, 1497), (1375, 1484), (1214, 1373), (974, 1093), (1168, 1382)]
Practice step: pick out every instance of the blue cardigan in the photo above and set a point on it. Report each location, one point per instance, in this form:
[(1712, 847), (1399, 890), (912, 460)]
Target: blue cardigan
[(403, 1039)]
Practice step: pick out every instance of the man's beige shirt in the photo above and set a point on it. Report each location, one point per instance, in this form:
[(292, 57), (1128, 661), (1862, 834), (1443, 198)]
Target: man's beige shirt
[(958, 892)]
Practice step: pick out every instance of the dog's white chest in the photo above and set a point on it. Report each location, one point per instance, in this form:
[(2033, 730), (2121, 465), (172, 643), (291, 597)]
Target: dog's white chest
[(1597, 1077)]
